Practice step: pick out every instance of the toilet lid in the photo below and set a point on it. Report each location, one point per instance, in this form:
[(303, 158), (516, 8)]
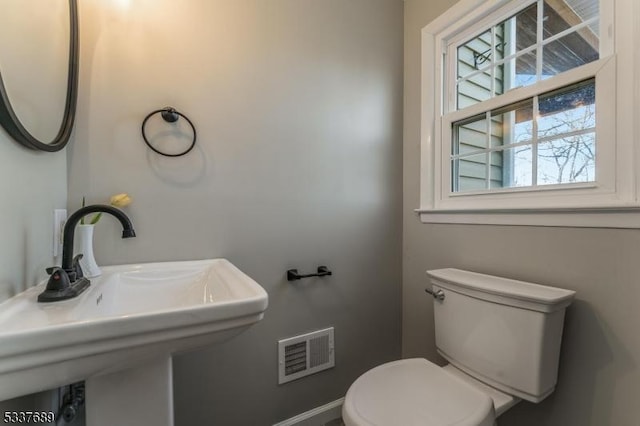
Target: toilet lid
[(415, 392)]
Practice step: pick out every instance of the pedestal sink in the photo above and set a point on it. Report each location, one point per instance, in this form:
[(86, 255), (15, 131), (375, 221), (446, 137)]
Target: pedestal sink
[(120, 335)]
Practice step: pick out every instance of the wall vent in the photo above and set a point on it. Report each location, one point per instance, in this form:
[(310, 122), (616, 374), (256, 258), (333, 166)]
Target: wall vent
[(306, 354)]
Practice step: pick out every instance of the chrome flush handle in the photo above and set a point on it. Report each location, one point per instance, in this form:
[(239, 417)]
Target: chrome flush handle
[(438, 294)]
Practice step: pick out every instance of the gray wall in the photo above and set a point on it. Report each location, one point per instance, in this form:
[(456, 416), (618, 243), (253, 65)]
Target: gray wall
[(32, 185), (298, 105), (599, 379)]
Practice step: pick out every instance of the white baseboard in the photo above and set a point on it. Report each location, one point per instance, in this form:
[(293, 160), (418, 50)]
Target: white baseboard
[(316, 417)]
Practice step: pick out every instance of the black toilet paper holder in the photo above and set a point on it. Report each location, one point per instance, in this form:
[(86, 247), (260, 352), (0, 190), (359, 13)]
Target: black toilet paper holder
[(293, 275)]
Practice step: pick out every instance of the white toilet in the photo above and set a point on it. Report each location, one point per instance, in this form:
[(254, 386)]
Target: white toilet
[(502, 339)]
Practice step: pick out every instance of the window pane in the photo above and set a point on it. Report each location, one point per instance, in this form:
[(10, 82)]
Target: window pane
[(568, 111), (560, 15), (474, 54), (470, 136), (519, 72), (470, 173), (514, 168), (499, 80), (501, 44), (567, 160), (476, 89), (511, 126), (567, 118), (566, 53), (518, 32)]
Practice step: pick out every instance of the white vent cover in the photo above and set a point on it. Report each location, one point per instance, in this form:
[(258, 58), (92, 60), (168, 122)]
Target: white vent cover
[(306, 354)]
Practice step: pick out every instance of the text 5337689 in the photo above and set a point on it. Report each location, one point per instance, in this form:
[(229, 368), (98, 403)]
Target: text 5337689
[(18, 417)]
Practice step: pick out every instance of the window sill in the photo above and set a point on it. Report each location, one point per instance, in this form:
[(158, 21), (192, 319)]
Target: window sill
[(615, 217)]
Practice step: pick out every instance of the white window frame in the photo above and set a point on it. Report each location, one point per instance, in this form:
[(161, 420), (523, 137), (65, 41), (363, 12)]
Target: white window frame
[(612, 201)]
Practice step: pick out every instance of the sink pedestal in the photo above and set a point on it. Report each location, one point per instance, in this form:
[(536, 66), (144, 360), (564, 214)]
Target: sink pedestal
[(138, 396)]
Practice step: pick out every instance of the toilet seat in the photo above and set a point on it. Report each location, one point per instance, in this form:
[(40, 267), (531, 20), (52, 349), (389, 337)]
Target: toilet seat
[(415, 392)]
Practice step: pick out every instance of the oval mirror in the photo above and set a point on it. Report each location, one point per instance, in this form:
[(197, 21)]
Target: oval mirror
[(39, 71)]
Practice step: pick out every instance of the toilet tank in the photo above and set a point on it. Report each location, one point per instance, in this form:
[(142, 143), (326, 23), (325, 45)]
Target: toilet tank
[(503, 332)]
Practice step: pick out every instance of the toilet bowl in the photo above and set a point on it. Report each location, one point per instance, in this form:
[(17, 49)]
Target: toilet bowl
[(502, 339)]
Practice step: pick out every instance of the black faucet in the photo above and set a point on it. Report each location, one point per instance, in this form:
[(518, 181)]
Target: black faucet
[(68, 281)]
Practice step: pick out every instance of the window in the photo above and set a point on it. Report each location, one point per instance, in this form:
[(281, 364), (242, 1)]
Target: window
[(523, 113)]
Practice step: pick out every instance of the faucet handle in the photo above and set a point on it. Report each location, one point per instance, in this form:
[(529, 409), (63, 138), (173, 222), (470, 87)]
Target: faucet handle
[(76, 266), (59, 279)]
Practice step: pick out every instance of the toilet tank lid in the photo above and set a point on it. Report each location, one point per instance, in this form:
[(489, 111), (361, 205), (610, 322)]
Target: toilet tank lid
[(534, 296)]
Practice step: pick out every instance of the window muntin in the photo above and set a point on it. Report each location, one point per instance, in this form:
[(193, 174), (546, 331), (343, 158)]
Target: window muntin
[(544, 39), (549, 139)]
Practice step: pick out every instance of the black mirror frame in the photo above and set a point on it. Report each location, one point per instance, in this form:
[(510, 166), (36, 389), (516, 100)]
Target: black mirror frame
[(10, 121)]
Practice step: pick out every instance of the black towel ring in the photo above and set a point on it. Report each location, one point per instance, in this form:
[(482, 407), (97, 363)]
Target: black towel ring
[(170, 115)]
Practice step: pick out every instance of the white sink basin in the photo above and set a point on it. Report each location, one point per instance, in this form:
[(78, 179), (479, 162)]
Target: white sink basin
[(129, 315)]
